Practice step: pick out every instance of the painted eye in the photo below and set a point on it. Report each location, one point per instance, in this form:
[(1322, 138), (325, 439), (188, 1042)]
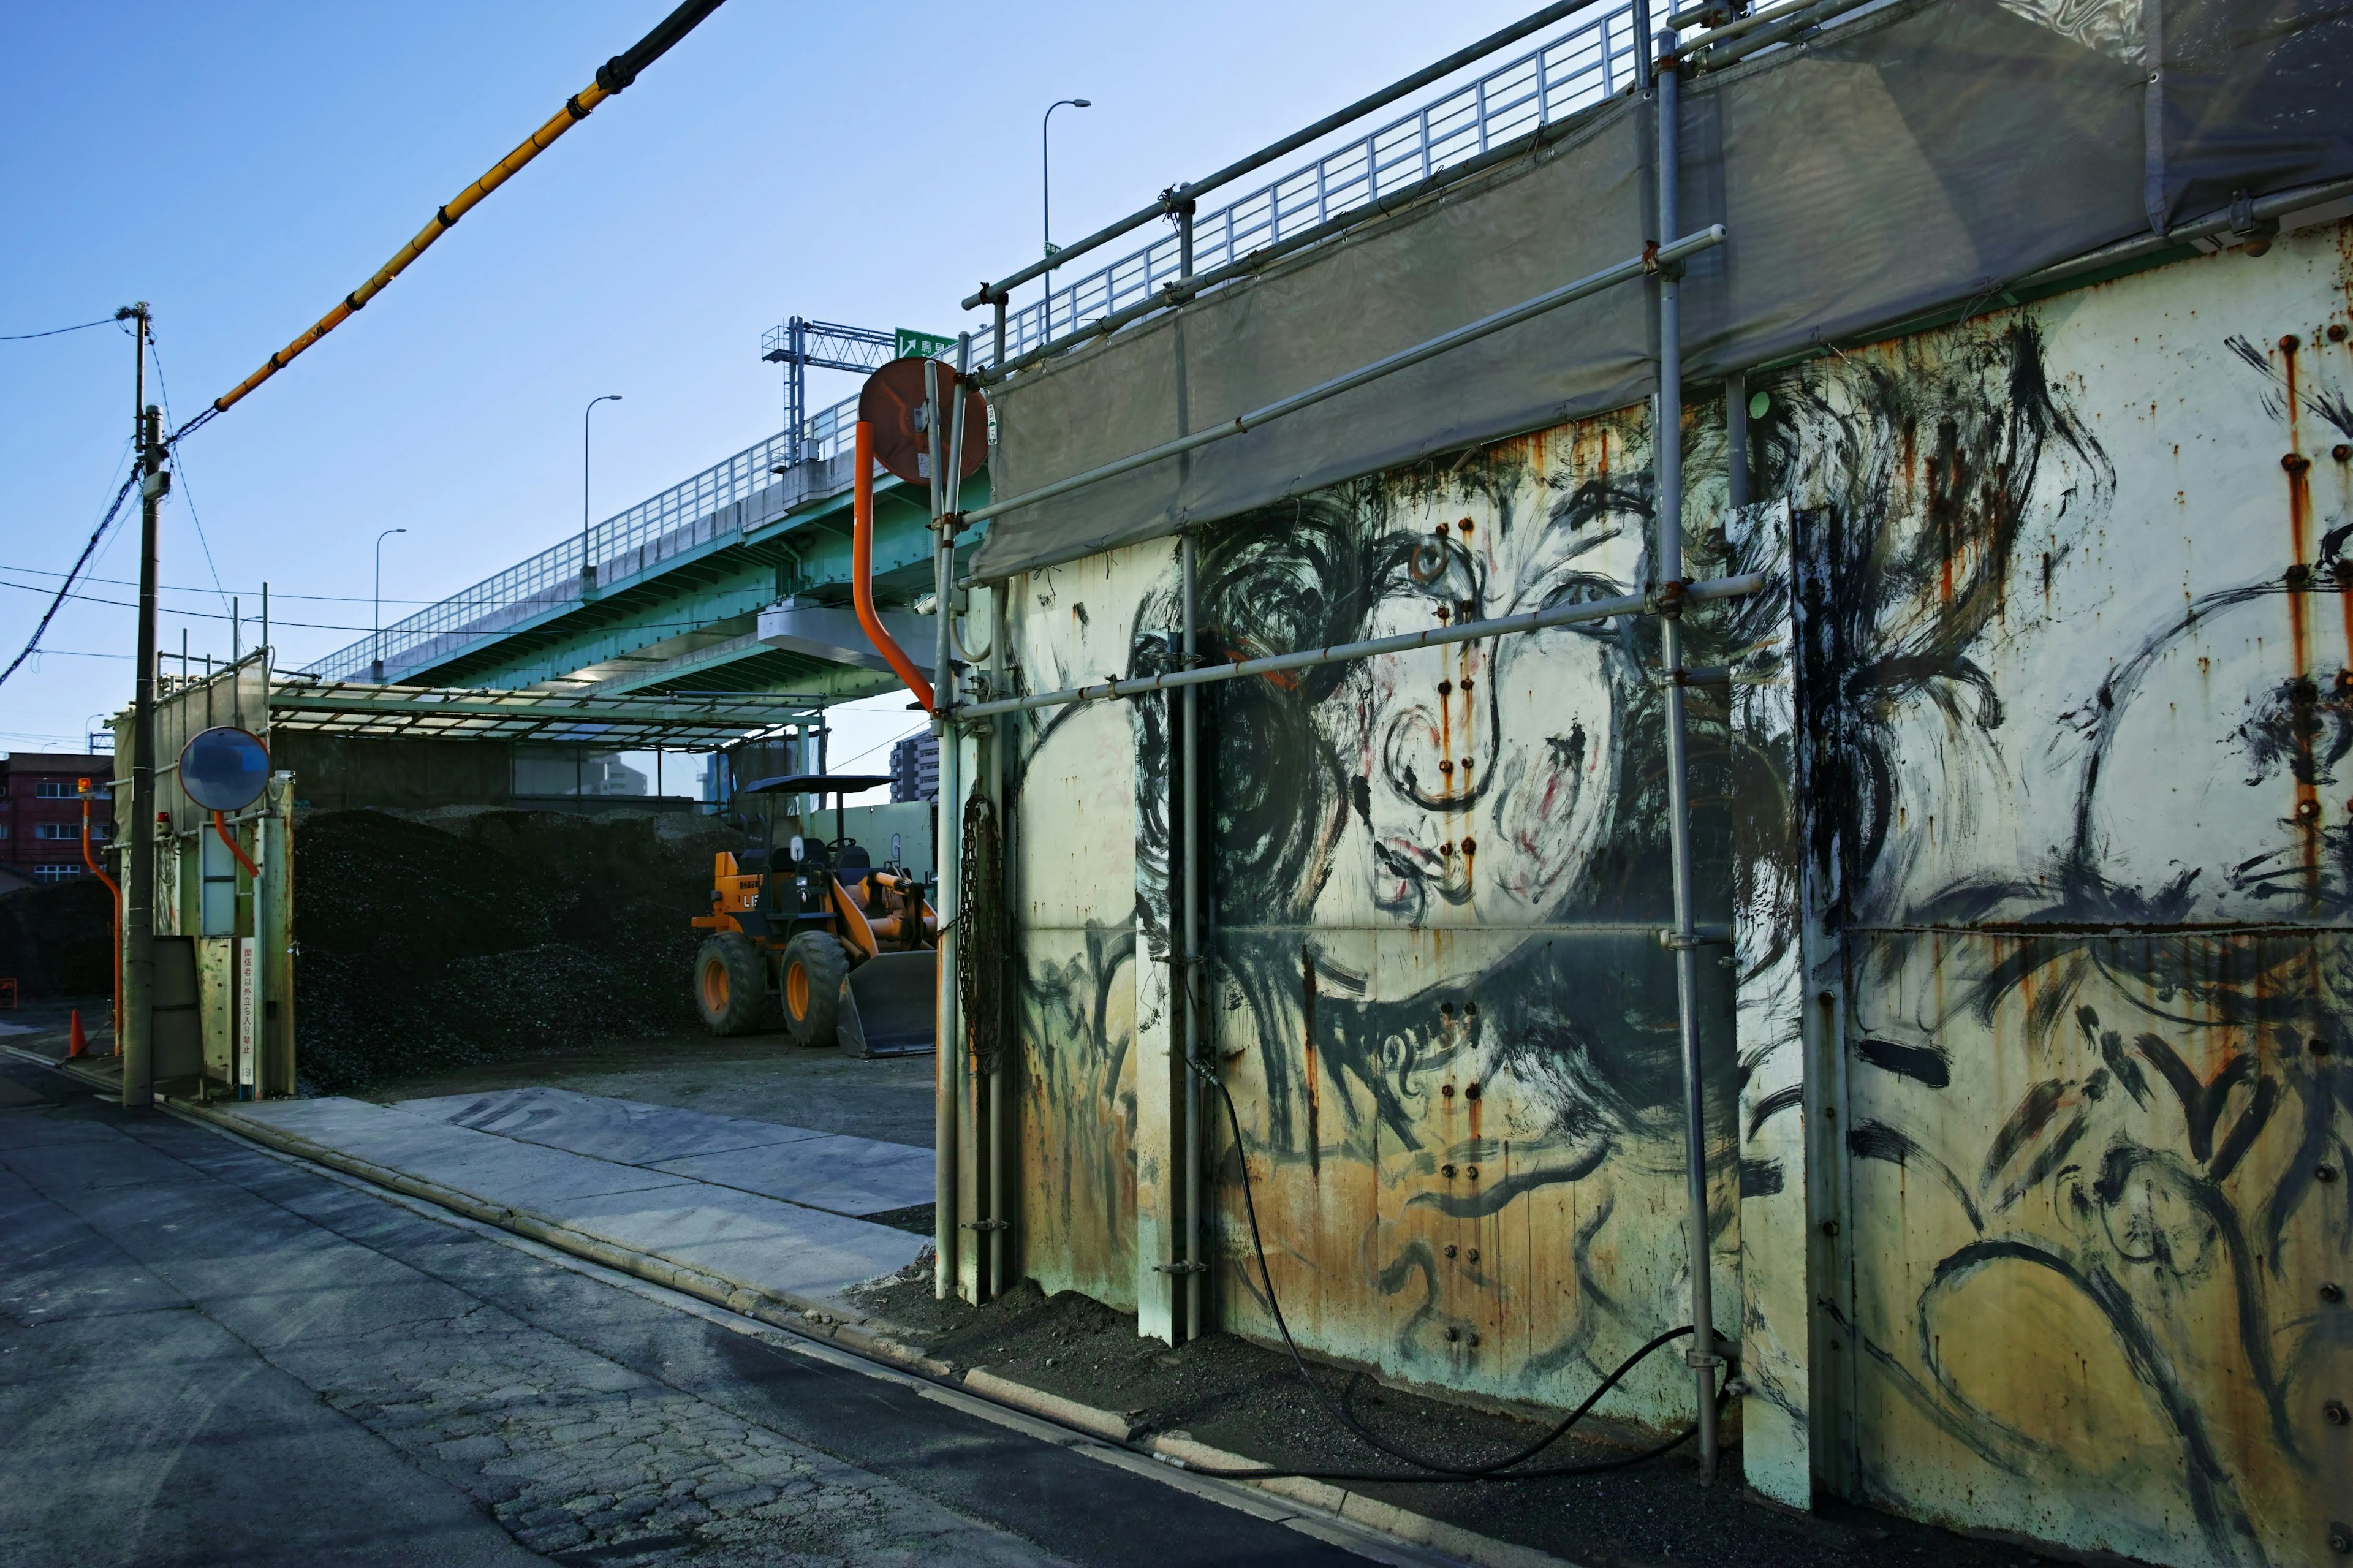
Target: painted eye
[(1427, 563)]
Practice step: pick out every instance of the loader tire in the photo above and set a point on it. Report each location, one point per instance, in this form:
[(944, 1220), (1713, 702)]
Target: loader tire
[(811, 987), (730, 983)]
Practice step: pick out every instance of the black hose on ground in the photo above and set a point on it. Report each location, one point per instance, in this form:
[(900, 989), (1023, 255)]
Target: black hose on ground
[(1442, 1471)]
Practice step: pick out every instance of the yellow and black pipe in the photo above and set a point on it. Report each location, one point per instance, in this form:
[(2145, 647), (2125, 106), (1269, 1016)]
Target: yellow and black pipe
[(611, 77)]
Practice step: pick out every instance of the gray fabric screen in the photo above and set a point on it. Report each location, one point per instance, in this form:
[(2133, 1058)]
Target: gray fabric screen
[(1923, 156)]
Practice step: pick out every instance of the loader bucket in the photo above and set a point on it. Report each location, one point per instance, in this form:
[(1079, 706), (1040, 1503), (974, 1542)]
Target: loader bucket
[(889, 1005)]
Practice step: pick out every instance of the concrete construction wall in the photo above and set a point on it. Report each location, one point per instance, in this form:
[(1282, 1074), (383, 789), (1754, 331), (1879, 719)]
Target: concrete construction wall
[(2028, 799)]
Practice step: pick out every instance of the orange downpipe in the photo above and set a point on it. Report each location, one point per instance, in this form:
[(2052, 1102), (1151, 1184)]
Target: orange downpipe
[(235, 848), (113, 915), (862, 572)]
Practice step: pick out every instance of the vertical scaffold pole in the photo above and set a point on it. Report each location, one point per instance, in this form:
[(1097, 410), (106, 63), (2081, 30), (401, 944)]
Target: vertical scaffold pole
[(948, 1080), (1668, 452), (1000, 736), (1197, 1264)]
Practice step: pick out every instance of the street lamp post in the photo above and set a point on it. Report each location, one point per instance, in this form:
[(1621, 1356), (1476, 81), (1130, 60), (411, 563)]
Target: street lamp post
[(587, 567), (375, 667), (1046, 194)]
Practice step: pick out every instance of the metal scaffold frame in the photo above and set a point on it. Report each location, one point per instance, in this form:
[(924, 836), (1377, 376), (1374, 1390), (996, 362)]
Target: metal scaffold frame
[(1666, 596)]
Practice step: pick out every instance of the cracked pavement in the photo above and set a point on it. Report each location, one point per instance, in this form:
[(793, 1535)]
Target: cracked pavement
[(208, 1354)]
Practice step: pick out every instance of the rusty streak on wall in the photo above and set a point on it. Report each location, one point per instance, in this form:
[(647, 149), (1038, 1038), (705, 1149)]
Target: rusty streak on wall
[(2032, 802)]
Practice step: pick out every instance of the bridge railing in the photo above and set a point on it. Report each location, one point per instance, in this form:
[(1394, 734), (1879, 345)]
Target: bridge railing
[(1594, 59)]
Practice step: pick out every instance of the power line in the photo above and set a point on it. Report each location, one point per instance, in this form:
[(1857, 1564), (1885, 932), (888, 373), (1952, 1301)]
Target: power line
[(53, 331), (919, 730), (66, 593), (274, 592), (186, 496), (50, 614)]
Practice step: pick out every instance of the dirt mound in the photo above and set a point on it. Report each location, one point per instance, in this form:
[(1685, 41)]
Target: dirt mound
[(428, 940), (54, 940)]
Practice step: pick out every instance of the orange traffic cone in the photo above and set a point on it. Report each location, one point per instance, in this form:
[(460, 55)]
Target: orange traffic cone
[(77, 1043)]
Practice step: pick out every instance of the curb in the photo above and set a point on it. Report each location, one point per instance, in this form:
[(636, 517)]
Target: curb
[(1184, 1453), (780, 1310), (1358, 1508), (1053, 1407), (801, 1316)]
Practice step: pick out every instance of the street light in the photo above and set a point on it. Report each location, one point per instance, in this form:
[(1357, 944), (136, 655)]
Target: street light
[(1046, 195), (587, 568), (376, 670)]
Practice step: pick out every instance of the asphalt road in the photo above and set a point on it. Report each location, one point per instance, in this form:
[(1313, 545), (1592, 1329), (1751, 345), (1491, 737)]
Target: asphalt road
[(211, 1355)]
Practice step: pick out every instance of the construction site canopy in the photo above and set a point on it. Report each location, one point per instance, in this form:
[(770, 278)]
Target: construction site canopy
[(700, 721)]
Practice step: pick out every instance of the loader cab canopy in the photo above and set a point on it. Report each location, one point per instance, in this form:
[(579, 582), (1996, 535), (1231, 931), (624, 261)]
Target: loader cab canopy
[(850, 860), (815, 783)]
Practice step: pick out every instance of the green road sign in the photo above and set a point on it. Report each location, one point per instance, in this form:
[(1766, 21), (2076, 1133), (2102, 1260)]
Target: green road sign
[(925, 344)]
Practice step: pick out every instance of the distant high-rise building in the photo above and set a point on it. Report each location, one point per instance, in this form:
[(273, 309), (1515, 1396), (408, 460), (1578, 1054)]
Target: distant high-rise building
[(915, 768)]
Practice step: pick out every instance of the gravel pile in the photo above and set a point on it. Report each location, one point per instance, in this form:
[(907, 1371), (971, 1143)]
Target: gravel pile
[(54, 940), (430, 940)]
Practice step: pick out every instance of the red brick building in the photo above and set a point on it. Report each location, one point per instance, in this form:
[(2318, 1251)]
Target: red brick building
[(40, 813)]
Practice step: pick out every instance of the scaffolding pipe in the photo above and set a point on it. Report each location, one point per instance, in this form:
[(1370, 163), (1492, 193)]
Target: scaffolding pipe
[(1720, 55), (999, 734), (1664, 602), (1651, 260), (947, 1080), (1197, 1266), (947, 487), (1667, 450), (1268, 154)]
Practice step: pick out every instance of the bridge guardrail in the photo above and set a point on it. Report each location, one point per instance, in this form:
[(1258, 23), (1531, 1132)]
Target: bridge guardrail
[(1593, 59)]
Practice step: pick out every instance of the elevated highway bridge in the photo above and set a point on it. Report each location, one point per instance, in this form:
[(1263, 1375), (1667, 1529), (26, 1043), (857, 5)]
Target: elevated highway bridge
[(668, 595)]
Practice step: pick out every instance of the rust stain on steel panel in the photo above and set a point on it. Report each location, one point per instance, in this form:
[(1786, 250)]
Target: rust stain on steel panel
[(2140, 1209), (1307, 1060), (2095, 988)]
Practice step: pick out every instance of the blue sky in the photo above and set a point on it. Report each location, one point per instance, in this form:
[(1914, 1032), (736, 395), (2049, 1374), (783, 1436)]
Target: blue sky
[(243, 165)]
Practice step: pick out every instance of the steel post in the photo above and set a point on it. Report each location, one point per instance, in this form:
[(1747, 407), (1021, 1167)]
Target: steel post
[(948, 1076), (1668, 457), (1189, 960), (1000, 736)]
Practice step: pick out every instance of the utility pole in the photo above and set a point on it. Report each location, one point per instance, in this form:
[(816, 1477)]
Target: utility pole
[(139, 901)]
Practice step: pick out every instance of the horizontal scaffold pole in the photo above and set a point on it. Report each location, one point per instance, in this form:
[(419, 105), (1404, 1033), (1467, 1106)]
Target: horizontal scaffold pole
[(1665, 601), (1626, 271)]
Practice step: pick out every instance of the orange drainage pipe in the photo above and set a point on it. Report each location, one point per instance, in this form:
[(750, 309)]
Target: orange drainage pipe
[(113, 915), (862, 572), (221, 828)]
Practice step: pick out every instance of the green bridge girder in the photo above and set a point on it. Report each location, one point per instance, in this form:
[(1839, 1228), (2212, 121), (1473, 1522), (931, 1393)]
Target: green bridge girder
[(690, 622)]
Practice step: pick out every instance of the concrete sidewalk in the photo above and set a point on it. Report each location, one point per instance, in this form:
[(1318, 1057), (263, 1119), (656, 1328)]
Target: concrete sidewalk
[(755, 1208)]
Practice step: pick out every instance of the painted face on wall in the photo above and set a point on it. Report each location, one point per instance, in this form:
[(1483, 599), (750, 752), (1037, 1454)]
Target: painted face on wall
[(1481, 773)]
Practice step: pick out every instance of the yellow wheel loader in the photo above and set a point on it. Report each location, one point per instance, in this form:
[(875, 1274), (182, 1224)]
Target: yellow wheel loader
[(847, 951)]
